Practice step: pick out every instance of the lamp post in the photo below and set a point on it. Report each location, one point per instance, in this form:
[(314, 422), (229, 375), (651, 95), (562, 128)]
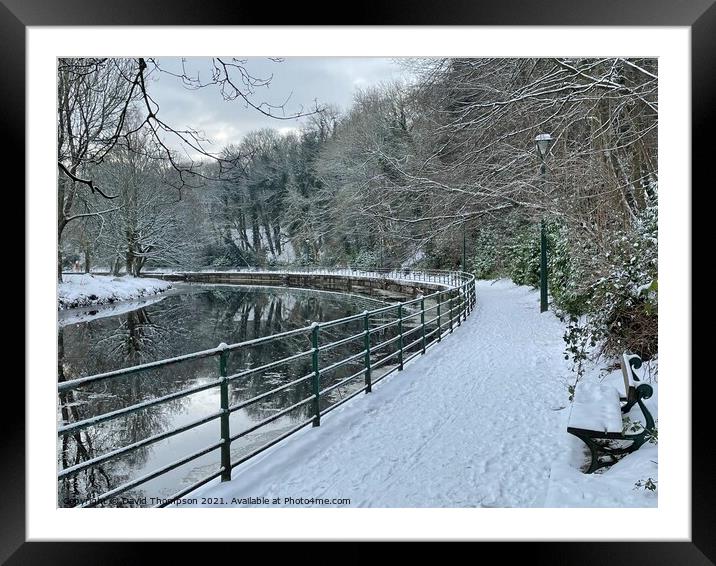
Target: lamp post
[(464, 246), (382, 259), (543, 143)]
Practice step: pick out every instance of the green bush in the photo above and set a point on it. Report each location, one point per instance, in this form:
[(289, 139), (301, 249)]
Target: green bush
[(607, 298), (484, 263), (567, 281), (624, 303), (523, 256), (366, 259)]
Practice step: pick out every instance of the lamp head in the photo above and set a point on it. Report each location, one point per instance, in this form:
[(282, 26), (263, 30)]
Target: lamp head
[(543, 143)]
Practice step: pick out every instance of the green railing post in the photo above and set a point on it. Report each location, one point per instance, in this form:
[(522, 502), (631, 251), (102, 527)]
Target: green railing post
[(440, 330), (459, 309), (400, 337), (450, 305), (316, 376), (366, 345), (422, 320), (225, 431)]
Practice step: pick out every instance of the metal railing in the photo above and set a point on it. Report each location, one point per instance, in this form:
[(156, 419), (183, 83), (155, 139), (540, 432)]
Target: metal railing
[(436, 276), (432, 276), (426, 324)]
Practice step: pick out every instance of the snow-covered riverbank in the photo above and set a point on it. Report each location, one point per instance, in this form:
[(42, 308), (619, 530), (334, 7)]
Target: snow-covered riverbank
[(80, 290)]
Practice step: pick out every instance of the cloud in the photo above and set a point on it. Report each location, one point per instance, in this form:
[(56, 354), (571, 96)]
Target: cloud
[(287, 130), (297, 82)]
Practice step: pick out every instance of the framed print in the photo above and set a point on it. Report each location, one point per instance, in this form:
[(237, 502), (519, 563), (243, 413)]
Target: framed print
[(443, 224)]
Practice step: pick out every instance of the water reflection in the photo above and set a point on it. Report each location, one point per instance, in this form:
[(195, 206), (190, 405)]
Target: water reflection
[(199, 317)]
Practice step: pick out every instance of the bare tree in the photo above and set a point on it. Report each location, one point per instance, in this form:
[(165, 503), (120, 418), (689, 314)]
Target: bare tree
[(146, 227), (95, 97), (457, 149)]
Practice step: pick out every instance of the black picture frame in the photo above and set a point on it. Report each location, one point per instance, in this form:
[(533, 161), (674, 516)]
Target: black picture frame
[(699, 15)]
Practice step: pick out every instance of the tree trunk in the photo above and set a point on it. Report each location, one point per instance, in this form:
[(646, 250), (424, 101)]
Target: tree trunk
[(138, 265), (269, 239), (60, 227), (255, 232), (242, 232), (277, 237), (59, 263)]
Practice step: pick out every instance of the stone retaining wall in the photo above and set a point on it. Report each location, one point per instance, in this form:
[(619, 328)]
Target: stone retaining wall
[(373, 286)]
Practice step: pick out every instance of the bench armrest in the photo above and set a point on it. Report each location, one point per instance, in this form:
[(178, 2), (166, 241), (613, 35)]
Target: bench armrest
[(645, 391)]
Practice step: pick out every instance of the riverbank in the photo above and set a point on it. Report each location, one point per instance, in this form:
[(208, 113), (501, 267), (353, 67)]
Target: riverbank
[(81, 290)]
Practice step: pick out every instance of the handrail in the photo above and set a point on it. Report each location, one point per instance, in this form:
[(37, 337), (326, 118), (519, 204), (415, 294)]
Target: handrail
[(454, 302)]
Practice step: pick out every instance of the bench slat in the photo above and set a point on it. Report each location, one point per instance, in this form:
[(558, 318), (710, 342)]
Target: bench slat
[(596, 407)]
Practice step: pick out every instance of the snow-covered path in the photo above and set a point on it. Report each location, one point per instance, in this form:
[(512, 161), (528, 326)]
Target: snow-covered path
[(473, 423)]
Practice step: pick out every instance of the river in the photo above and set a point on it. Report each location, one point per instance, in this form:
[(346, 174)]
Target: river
[(188, 319)]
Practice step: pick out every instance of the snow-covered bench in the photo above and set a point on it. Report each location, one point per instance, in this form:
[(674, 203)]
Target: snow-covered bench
[(597, 415)]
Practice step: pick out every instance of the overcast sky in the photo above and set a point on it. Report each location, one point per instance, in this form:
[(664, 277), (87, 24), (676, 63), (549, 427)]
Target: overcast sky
[(301, 80)]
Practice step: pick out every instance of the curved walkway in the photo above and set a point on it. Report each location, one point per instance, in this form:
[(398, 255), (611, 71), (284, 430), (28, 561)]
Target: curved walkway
[(473, 423)]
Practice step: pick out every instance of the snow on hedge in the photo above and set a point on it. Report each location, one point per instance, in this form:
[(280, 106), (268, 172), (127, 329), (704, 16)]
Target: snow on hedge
[(85, 289)]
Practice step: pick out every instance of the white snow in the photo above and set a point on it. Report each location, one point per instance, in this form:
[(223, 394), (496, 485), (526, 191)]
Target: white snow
[(615, 486), (70, 316), (473, 423), (442, 279), (78, 290), (415, 257), (479, 421), (288, 253), (596, 407)]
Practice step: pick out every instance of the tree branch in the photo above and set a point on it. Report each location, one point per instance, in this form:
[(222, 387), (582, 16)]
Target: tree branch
[(88, 182)]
